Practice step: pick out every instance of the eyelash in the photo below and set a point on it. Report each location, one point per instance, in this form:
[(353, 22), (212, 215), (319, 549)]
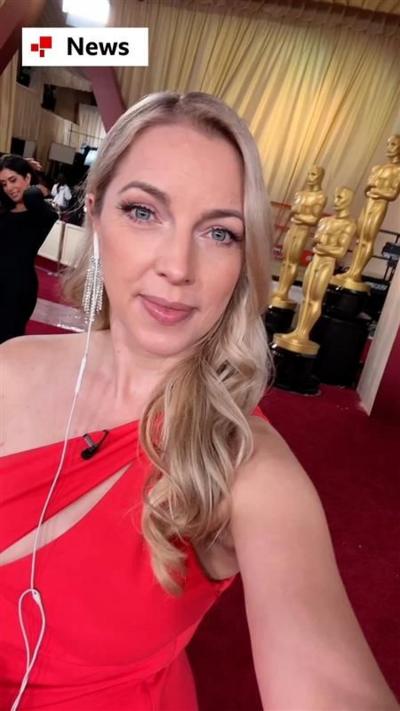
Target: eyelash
[(128, 207)]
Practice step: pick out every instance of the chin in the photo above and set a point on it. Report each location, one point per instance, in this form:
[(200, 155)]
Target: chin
[(167, 342), (164, 346)]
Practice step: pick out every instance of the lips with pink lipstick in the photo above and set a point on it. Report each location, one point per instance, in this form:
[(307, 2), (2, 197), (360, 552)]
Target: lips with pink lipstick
[(166, 312)]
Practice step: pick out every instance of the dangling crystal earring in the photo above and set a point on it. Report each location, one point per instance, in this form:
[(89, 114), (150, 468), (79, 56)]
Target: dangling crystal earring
[(92, 300)]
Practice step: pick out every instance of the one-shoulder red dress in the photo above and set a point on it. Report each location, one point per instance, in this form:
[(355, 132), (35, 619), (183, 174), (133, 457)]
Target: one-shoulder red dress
[(114, 638)]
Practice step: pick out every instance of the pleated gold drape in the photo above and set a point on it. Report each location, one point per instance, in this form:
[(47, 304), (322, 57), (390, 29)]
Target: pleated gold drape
[(90, 124), (310, 92), (31, 122), (27, 113), (7, 98), (53, 129)]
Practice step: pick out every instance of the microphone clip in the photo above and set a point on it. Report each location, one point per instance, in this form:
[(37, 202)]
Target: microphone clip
[(93, 446)]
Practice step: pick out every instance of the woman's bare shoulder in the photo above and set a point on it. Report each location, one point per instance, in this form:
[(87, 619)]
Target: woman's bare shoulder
[(271, 455), (34, 370), (46, 343), (273, 479), (27, 358)]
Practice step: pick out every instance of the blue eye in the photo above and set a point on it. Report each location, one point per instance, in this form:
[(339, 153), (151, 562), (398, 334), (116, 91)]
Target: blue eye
[(140, 212), (137, 212), (222, 235)]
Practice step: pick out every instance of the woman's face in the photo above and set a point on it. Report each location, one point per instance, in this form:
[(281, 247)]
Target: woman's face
[(171, 233), (14, 184)]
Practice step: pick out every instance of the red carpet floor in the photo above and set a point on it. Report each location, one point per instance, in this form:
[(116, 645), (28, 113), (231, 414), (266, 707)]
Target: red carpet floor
[(35, 328), (353, 461)]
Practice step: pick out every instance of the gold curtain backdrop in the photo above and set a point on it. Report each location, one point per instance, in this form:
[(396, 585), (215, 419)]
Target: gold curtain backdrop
[(7, 102), (91, 126), (27, 113), (55, 129), (31, 122), (310, 93)]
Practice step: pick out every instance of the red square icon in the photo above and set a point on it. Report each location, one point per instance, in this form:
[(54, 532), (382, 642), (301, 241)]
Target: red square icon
[(34, 47), (46, 42)]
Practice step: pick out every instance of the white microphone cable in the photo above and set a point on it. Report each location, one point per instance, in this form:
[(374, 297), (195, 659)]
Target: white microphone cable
[(32, 590)]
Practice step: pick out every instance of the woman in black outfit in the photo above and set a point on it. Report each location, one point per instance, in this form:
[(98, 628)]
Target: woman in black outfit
[(25, 221)]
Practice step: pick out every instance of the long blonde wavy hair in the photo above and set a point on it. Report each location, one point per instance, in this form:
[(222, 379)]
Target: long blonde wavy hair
[(195, 431)]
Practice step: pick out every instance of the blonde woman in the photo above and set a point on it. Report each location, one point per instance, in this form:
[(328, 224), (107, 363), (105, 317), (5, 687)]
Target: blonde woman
[(115, 545)]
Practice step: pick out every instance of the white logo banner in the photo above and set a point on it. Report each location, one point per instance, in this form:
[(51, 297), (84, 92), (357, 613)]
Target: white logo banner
[(85, 46)]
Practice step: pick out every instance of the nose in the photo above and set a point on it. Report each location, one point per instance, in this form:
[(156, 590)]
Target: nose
[(176, 258)]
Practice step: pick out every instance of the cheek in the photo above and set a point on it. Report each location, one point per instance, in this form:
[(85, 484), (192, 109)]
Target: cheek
[(21, 183), (124, 259), (119, 248), (222, 279)]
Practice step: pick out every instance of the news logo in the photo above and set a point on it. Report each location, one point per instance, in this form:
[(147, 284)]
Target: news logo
[(85, 46), (44, 43)]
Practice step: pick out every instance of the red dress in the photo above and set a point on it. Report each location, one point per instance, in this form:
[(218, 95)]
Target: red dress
[(114, 638)]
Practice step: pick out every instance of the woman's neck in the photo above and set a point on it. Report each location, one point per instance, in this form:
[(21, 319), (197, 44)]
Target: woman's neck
[(19, 207)]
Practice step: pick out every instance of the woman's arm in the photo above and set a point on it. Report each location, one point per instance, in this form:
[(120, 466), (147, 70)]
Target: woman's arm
[(43, 214), (309, 651)]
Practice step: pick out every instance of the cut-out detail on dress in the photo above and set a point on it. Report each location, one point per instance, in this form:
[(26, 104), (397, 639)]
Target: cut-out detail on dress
[(61, 522)]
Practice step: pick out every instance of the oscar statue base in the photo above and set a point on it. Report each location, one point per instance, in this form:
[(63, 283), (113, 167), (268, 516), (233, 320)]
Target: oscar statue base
[(294, 371), (345, 282), (294, 343), (278, 320), (341, 345), (344, 303)]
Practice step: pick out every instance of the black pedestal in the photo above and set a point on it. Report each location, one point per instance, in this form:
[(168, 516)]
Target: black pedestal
[(344, 303), (294, 371), (341, 345), (278, 321), (342, 334)]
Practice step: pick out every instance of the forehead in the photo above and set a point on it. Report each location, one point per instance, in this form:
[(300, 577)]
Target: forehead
[(7, 173), (182, 157)]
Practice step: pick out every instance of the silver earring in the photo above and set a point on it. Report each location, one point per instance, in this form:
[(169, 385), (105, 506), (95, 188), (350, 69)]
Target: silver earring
[(92, 300)]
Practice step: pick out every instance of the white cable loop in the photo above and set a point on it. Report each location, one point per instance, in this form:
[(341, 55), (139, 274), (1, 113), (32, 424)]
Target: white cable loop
[(32, 590), (30, 661)]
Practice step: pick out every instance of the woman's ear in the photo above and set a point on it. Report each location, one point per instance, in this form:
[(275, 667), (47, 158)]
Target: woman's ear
[(90, 203), (28, 178)]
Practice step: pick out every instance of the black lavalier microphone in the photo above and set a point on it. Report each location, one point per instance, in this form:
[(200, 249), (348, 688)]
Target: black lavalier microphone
[(93, 446)]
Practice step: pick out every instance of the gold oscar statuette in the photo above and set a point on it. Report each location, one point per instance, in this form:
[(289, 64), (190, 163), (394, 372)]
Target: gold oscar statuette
[(306, 210), (383, 187), (331, 242)]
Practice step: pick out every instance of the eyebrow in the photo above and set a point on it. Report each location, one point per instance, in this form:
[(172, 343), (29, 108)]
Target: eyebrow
[(164, 199)]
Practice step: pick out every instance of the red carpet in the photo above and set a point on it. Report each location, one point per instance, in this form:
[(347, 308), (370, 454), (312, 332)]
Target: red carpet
[(36, 328), (353, 462)]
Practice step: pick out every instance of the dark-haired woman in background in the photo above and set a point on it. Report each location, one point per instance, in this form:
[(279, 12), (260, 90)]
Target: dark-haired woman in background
[(25, 221)]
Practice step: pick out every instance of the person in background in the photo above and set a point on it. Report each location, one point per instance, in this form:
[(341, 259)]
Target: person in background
[(61, 194), (42, 179), (25, 221)]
